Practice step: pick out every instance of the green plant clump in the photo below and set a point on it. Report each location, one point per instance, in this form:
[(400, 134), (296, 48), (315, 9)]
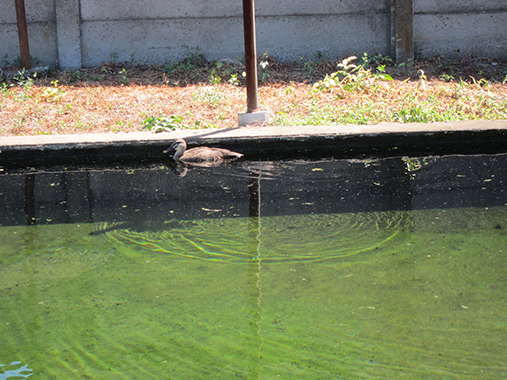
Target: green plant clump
[(163, 123), (171, 123), (351, 77)]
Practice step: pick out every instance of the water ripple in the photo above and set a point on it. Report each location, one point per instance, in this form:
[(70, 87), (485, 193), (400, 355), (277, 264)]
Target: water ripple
[(284, 239)]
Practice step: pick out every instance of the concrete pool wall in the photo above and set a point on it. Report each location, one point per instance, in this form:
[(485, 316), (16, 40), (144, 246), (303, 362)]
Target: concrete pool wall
[(263, 142), (66, 178)]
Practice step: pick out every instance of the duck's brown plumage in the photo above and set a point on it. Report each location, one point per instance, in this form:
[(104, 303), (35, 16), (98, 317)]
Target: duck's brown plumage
[(200, 154)]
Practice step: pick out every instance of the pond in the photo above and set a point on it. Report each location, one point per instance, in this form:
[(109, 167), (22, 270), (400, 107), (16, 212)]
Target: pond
[(387, 268)]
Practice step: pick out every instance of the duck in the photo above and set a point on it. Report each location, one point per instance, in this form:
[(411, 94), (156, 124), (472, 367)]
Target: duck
[(179, 152)]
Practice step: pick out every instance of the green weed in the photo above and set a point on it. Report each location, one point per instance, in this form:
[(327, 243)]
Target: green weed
[(123, 76), (417, 105), (163, 123), (24, 81), (446, 77), (170, 123), (351, 77), (113, 56), (5, 60), (235, 81), (19, 122), (5, 90), (120, 126), (192, 60), (210, 95), (52, 94), (263, 65)]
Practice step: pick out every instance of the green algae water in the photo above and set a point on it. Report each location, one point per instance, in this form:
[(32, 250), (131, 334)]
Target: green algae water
[(363, 294), (407, 296)]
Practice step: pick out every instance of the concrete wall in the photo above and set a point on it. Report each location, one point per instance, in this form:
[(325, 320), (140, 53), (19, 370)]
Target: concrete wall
[(460, 27), (76, 33), (41, 20)]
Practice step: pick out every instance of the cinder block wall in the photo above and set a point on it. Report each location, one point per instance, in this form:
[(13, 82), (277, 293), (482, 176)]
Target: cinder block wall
[(83, 33)]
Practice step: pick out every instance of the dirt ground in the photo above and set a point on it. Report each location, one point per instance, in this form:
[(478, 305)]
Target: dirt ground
[(195, 93)]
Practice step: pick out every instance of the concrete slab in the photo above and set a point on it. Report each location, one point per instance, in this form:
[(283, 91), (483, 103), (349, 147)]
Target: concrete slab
[(259, 117)]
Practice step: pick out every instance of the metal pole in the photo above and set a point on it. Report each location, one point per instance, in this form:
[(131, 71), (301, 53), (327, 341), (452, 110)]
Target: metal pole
[(250, 54), (24, 49)]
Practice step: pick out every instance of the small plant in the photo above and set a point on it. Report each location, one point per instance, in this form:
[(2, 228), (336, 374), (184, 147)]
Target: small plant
[(24, 80), (351, 77), (215, 69), (481, 82), (309, 68), (201, 125), (289, 90), (19, 123), (192, 60), (235, 81), (5, 60), (215, 80), (413, 164), (171, 123), (263, 72), (164, 123), (446, 77), (113, 56), (120, 125), (132, 58), (446, 68), (172, 67), (195, 57), (17, 61), (75, 76), (376, 60), (422, 80), (83, 126), (5, 90), (52, 94), (178, 67), (122, 76), (210, 95)]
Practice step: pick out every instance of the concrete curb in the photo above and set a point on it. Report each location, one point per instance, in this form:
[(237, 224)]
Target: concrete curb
[(270, 142)]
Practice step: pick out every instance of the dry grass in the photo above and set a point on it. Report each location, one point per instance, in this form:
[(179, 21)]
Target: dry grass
[(118, 98)]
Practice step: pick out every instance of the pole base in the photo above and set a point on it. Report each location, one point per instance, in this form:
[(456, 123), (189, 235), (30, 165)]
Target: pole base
[(257, 117)]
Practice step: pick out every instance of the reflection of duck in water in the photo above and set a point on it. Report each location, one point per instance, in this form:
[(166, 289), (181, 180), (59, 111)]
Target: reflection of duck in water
[(179, 152)]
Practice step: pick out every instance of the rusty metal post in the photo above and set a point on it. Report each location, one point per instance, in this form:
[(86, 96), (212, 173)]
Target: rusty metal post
[(24, 49), (250, 54)]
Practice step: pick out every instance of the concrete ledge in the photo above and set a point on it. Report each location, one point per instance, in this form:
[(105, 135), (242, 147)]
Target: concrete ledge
[(266, 142), (77, 141)]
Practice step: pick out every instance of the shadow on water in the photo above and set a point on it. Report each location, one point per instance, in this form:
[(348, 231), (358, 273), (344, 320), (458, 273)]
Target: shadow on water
[(157, 196)]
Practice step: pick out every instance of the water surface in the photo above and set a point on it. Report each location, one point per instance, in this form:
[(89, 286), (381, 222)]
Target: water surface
[(359, 291)]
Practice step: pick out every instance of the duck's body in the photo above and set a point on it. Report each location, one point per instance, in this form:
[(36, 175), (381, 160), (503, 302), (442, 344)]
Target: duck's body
[(200, 154)]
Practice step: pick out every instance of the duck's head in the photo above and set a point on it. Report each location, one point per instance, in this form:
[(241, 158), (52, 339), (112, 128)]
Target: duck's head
[(177, 149)]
